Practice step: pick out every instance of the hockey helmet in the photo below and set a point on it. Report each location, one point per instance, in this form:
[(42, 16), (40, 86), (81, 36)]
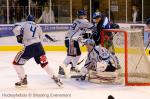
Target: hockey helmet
[(97, 15), (148, 21), (81, 12), (30, 18), (89, 42)]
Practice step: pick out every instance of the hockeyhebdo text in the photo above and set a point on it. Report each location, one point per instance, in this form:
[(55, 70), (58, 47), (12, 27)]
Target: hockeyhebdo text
[(35, 95)]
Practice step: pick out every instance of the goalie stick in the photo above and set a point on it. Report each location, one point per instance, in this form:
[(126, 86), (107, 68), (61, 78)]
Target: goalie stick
[(81, 61), (141, 56)]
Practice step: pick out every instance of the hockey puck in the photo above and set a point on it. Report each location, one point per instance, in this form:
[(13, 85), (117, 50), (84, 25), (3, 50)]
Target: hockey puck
[(77, 79)]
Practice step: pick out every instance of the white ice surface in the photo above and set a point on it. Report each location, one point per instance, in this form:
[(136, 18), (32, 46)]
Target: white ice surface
[(41, 84)]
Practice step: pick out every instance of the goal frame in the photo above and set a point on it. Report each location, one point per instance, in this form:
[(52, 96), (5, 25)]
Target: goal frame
[(125, 55)]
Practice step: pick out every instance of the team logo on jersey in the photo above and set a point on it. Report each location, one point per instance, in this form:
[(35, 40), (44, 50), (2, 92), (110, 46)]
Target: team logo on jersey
[(43, 59)]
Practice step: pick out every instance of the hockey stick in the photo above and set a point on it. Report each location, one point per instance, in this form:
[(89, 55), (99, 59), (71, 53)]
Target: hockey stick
[(50, 38), (141, 56), (80, 61)]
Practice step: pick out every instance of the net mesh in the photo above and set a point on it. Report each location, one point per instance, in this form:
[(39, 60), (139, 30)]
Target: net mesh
[(137, 67)]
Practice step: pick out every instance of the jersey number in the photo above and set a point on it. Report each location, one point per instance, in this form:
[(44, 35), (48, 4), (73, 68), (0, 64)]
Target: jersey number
[(74, 26), (33, 29)]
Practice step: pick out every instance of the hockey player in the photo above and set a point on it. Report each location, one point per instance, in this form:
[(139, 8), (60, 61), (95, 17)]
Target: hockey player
[(99, 60), (106, 39), (30, 34), (72, 39), (101, 22)]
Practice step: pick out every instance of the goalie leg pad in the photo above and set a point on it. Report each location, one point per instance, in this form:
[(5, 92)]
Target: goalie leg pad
[(104, 77), (84, 71)]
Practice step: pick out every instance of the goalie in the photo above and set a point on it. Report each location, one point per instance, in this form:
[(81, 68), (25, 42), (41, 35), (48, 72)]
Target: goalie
[(100, 64)]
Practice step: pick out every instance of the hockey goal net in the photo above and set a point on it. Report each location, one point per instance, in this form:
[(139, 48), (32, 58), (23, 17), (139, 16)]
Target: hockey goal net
[(130, 50)]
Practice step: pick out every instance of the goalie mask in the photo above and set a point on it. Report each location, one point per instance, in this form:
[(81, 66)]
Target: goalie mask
[(89, 42), (101, 66)]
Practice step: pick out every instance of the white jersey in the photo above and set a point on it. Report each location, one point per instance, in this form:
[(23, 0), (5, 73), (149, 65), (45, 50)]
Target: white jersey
[(99, 54), (78, 27), (18, 27), (31, 31)]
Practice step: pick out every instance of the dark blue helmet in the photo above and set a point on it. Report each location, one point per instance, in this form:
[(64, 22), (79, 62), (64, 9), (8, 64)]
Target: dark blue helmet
[(30, 18), (148, 21), (97, 15), (81, 12)]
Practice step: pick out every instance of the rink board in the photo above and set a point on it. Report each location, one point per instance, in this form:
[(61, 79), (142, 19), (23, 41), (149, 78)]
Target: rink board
[(62, 48)]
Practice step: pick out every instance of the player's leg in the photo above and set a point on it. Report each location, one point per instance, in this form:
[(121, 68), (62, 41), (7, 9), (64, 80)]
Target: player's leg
[(76, 56), (41, 59), (18, 66), (89, 65), (71, 52), (18, 63), (65, 67), (74, 64), (117, 60)]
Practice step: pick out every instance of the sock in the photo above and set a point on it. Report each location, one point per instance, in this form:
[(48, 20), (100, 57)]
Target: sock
[(20, 71), (49, 71), (66, 70)]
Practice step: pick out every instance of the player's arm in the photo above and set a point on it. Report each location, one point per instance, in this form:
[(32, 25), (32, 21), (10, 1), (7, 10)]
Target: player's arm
[(87, 27), (114, 59), (18, 32), (105, 23), (86, 24)]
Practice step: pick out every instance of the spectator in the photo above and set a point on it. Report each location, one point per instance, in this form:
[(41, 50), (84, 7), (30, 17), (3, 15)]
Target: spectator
[(47, 16), (2, 18), (134, 14), (148, 30)]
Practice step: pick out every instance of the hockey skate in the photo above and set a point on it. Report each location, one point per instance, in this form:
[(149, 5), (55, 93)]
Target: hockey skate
[(61, 71), (57, 81), (81, 78), (22, 82)]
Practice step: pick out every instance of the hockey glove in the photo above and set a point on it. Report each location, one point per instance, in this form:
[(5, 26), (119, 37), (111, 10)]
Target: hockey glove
[(19, 38)]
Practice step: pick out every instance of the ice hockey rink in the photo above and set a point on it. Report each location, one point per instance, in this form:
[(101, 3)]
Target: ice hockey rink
[(42, 87)]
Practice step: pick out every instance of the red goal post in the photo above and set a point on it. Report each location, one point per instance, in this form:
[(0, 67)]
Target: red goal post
[(126, 56)]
